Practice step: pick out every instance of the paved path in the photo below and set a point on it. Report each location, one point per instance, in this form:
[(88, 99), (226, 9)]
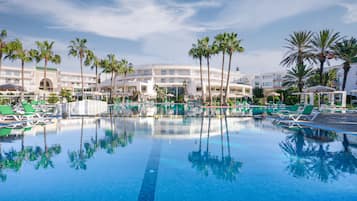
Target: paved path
[(343, 122)]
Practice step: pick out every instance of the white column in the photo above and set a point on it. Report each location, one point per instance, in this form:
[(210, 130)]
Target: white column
[(311, 98), (344, 98), (332, 100)]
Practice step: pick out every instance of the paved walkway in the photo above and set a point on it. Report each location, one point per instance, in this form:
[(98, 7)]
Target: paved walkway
[(341, 122)]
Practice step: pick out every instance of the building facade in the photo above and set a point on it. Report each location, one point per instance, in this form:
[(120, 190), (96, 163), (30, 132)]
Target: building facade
[(268, 81), (55, 79), (177, 79), (351, 82)]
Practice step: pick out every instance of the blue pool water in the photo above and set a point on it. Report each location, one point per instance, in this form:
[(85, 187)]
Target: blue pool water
[(227, 159)]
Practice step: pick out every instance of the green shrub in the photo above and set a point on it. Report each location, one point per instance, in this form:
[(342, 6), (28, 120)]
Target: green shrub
[(53, 98)]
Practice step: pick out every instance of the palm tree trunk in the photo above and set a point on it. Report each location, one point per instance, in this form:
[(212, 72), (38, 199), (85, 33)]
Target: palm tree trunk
[(228, 76), (209, 82), (96, 78), (81, 61), (45, 138), (124, 86), (45, 80), (201, 76), (227, 135), (96, 133), (200, 143), (111, 88), (222, 71), (22, 79), (208, 132), (321, 71), (81, 139), (346, 69)]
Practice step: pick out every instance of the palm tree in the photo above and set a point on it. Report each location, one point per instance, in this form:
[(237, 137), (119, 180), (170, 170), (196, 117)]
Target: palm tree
[(299, 49), (16, 51), (297, 76), (220, 41), (346, 51), (44, 52), (196, 52), (208, 50), (94, 62), (322, 43), (79, 49), (233, 45), (3, 35), (110, 65), (125, 68)]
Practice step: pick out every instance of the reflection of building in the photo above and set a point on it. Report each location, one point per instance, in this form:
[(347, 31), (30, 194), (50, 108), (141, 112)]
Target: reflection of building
[(178, 128), (177, 78), (55, 81)]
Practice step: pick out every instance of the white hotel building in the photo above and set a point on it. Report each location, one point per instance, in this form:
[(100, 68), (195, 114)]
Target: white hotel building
[(351, 83), (269, 81), (173, 77), (56, 79)]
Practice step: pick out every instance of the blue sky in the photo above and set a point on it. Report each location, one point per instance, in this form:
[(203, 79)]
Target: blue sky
[(159, 31)]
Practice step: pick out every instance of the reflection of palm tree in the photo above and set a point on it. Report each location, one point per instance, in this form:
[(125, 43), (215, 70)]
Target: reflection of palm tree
[(224, 167), (345, 161), (227, 135), (321, 166), (77, 158), (293, 147), (43, 157), (312, 161)]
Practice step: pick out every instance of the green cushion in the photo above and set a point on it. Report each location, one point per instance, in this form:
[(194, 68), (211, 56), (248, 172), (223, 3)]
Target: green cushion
[(5, 131), (6, 110), (307, 110), (28, 108)]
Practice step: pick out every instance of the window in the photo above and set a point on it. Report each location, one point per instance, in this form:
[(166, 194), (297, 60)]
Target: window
[(143, 89)]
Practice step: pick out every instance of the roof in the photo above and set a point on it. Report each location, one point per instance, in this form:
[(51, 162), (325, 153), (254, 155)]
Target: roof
[(49, 69)]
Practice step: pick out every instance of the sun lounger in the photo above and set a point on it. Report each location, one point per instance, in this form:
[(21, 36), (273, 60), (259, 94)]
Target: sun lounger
[(307, 114)]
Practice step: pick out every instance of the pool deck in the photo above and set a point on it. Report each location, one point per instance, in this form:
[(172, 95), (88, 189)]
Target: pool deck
[(346, 122)]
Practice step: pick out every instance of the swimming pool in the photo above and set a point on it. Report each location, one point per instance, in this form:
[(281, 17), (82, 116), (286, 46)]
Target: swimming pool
[(225, 159)]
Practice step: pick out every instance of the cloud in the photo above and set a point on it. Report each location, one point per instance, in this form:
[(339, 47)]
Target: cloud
[(256, 13), (126, 19), (351, 14)]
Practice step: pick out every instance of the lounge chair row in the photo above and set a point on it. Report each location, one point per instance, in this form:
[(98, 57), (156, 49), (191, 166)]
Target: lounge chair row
[(28, 114)]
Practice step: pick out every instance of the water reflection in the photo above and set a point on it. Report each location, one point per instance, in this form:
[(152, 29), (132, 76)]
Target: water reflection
[(310, 155), (13, 159), (111, 140), (222, 166)]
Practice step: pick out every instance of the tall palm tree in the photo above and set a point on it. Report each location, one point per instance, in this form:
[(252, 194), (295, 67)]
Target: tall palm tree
[(322, 43), (78, 48), (346, 50), (16, 51), (297, 76), (110, 65), (45, 52), (208, 51), (125, 68), (94, 62), (196, 52), (233, 46), (299, 49), (3, 35), (220, 41)]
